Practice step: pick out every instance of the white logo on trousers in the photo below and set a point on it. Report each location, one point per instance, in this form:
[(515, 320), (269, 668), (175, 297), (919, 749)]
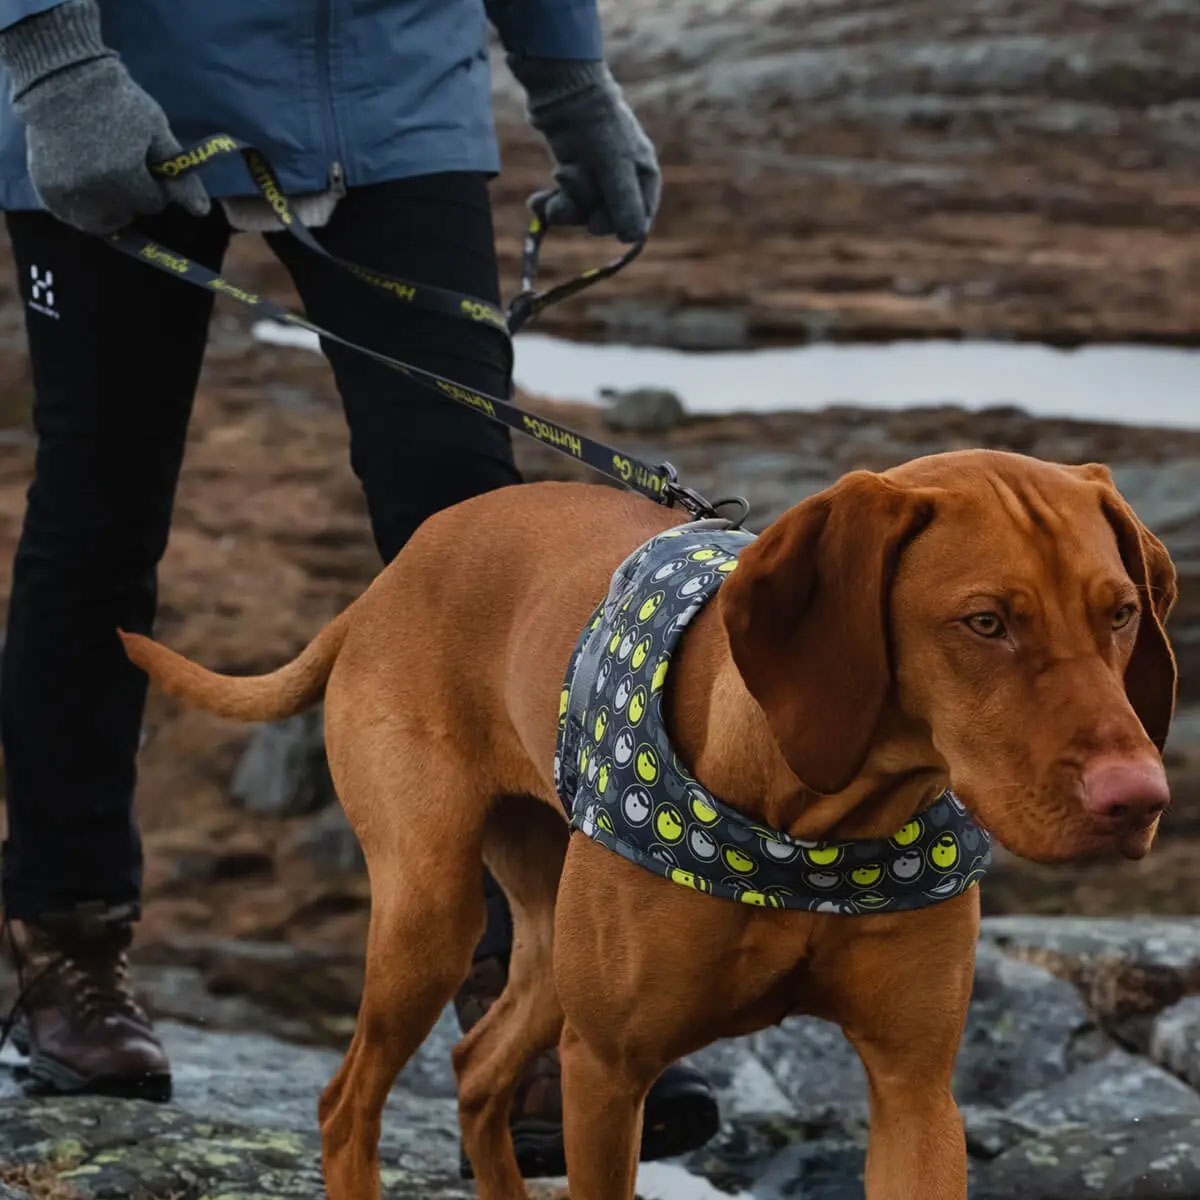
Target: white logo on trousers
[(42, 291)]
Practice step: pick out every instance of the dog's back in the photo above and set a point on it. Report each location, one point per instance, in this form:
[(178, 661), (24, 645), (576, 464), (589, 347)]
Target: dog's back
[(487, 592)]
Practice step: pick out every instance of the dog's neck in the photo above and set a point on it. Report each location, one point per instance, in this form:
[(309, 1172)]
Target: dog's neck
[(723, 737)]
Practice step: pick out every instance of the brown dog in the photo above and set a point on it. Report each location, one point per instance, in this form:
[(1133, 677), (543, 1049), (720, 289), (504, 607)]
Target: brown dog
[(974, 617)]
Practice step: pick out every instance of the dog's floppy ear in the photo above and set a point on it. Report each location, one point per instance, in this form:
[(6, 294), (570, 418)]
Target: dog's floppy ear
[(1151, 676), (806, 613)]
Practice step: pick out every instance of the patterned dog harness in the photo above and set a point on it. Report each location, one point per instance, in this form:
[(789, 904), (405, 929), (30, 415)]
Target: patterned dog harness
[(622, 783)]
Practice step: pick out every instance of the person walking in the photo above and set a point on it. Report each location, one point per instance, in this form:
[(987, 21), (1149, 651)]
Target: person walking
[(377, 119)]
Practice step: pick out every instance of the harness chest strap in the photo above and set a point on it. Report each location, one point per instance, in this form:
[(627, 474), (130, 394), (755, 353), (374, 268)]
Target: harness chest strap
[(623, 784)]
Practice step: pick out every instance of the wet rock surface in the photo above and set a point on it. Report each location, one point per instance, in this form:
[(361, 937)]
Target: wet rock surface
[(1051, 1109)]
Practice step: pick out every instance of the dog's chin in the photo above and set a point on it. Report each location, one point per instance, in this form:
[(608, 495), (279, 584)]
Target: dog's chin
[(1076, 843), (1136, 844)]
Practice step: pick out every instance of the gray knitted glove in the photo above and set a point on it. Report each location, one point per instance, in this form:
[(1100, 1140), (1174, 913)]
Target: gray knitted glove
[(607, 173), (90, 128)]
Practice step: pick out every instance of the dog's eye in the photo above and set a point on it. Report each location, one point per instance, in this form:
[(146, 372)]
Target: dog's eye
[(986, 624), (1124, 615)]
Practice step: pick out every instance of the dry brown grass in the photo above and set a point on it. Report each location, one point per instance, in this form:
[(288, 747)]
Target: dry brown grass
[(40, 1180)]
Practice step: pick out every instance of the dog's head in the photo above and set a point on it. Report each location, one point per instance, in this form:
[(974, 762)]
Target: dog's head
[(1012, 608)]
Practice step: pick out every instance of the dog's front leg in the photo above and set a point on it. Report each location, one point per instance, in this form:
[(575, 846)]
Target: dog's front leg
[(903, 1004), (602, 1121), (917, 1150), (619, 1028)]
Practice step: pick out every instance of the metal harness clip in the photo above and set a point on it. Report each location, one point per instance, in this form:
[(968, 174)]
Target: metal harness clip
[(676, 493)]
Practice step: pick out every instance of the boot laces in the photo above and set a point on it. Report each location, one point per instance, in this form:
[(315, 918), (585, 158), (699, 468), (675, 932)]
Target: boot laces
[(96, 979), (99, 985)]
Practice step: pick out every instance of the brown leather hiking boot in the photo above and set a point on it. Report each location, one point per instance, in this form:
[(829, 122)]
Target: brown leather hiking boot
[(78, 1021), (681, 1108)]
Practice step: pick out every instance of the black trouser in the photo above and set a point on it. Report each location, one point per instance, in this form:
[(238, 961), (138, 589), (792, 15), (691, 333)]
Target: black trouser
[(116, 349)]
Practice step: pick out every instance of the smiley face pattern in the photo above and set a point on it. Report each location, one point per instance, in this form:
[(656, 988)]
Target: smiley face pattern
[(623, 785)]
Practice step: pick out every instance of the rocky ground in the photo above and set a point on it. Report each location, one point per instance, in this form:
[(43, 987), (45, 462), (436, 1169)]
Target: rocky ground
[(1077, 1079), (1079, 1065)]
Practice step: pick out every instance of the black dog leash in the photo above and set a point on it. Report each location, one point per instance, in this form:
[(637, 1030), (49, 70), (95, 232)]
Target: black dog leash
[(659, 482)]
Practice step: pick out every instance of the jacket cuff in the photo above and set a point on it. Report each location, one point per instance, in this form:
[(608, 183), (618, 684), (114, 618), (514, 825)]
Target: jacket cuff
[(50, 41), (548, 80)]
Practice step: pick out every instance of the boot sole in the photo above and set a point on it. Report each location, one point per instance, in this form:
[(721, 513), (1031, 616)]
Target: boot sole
[(680, 1122), (45, 1075)]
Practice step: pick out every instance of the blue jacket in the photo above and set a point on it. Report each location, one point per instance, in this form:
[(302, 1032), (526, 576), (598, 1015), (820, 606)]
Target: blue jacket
[(361, 90)]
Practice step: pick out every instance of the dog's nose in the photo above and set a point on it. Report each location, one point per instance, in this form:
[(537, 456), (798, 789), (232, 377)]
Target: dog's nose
[(1125, 793)]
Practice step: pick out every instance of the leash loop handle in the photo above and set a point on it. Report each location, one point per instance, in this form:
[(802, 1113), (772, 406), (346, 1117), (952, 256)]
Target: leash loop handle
[(528, 302)]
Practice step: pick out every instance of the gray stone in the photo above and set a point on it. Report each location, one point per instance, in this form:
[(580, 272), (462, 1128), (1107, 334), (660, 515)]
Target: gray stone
[(243, 1103), (643, 410), (817, 1070), (111, 1150), (1020, 1026), (429, 1073), (1182, 760), (1183, 743), (329, 840), (204, 863), (781, 1159), (256, 1080), (1163, 499), (1127, 1160), (829, 1169), (738, 1157), (1119, 1087), (990, 1131), (289, 396), (243, 1126), (707, 329), (299, 994), (648, 323), (1122, 966), (769, 1158), (1175, 1040), (283, 772), (180, 993), (747, 1086), (1049, 1107), (1094, 1044)]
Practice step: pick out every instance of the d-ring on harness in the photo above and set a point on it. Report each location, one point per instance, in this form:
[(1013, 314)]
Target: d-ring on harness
[(660, 483)]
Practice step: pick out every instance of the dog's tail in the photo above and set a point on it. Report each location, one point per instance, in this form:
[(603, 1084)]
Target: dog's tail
[(282, 693)]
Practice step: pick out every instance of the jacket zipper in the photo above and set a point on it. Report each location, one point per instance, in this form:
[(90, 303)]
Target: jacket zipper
[(324, 56)]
